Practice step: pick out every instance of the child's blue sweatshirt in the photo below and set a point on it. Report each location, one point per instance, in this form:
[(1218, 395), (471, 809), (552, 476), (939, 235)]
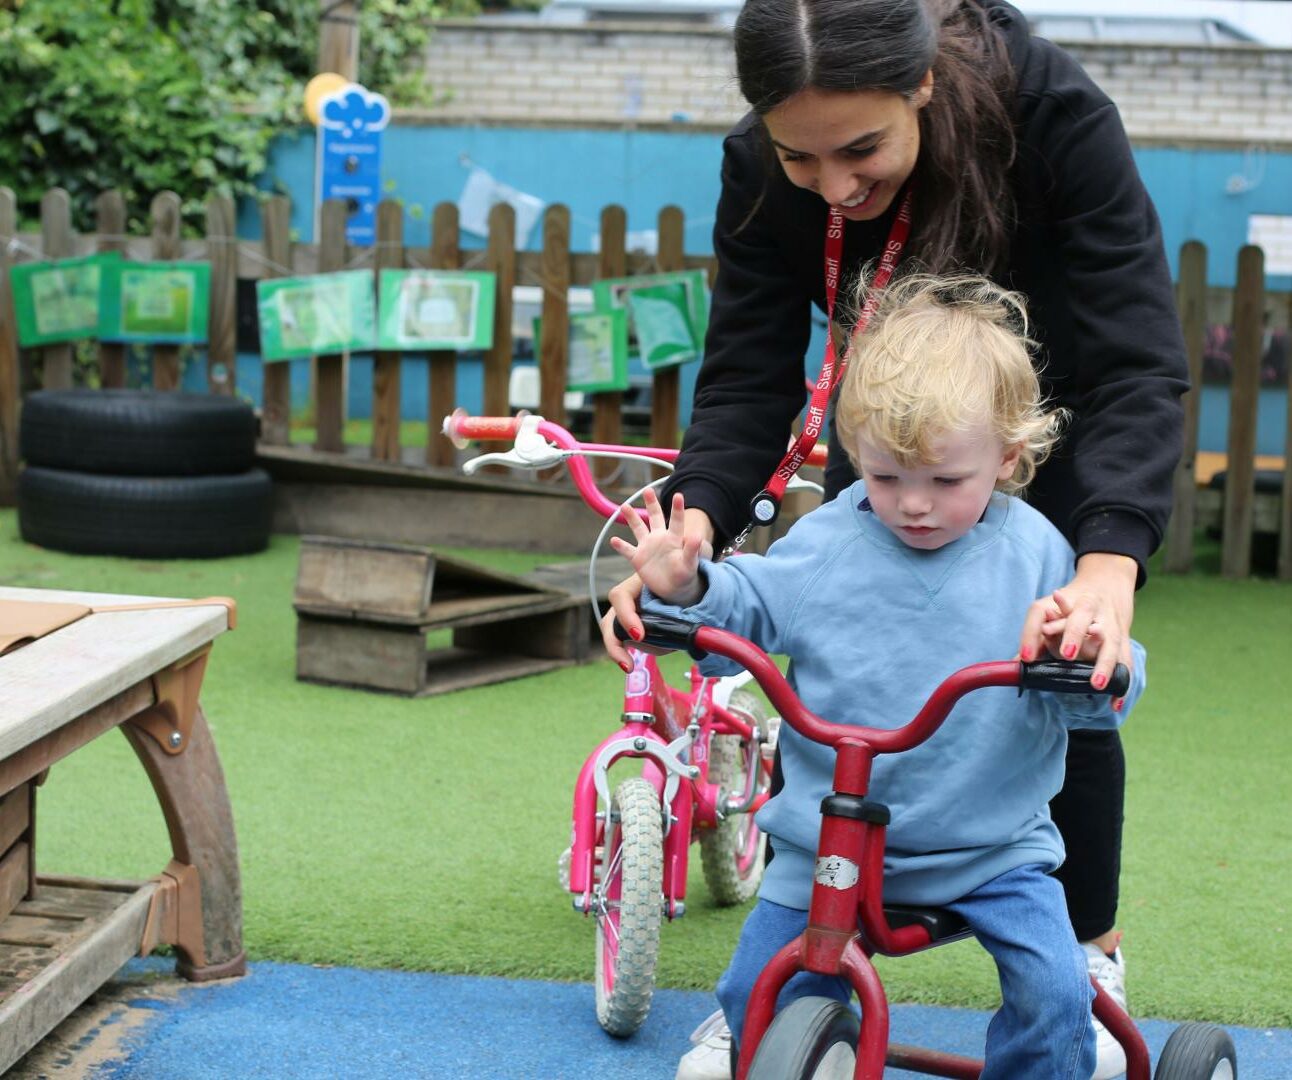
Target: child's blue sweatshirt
[(871, 627)]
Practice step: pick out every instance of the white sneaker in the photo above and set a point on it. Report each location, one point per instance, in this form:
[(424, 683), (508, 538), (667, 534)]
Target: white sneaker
[(710, 1057), (1110, 973)]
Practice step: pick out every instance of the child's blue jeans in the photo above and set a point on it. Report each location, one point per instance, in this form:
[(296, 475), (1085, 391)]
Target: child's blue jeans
[(1043, 1029)]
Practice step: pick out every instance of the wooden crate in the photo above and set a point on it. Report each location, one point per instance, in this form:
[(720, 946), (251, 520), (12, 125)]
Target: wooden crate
[(17, 835), (364, 611)]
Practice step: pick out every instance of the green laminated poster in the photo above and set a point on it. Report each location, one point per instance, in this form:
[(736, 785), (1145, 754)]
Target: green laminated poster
[(326, 313), (665, 336), (436, 309), (614, 293), (160, 302), (598, 352), (60, 300)]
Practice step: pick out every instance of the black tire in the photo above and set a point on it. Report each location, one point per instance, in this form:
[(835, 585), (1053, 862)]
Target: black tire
[(1198, 1051), (145, 517), (137, 433), (813, 1038)]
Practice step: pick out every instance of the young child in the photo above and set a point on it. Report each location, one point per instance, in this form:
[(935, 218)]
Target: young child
[(926, 564)]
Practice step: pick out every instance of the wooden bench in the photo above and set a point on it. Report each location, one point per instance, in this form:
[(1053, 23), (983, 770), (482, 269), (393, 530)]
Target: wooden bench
[(139, 670)]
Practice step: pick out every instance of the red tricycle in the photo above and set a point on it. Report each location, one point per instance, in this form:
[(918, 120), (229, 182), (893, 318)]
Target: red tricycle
[(705, 752), (817, 1037)]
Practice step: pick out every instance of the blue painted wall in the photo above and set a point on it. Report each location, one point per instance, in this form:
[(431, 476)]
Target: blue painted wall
[(646, 170)]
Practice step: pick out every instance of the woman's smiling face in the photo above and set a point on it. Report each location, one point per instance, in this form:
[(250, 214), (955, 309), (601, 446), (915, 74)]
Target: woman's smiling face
[(854, 148)]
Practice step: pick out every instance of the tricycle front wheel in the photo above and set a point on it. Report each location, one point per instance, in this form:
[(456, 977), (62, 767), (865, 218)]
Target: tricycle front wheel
[(628, 902), (1197, 1051), (813, 1038)]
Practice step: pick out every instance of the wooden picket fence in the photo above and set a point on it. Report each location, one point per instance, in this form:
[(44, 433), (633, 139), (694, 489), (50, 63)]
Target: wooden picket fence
[(1239, 508)]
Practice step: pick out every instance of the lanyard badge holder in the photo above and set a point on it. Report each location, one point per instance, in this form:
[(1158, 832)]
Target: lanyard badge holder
[(766, 505)]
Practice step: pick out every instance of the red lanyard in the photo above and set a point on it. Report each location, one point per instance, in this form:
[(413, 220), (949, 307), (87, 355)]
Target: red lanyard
[(767, 503)]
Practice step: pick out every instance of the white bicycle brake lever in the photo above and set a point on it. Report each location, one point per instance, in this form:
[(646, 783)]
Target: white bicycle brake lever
[(529, 451)]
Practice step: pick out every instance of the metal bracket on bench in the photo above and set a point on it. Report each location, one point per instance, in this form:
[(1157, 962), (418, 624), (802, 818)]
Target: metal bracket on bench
[(169, 721), (175, 914)]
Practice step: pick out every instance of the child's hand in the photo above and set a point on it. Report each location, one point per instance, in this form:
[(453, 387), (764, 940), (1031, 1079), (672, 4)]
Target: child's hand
[(665, 558)]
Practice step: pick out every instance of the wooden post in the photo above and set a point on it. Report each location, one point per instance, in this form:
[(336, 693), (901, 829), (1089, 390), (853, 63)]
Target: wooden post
[(554, 349), (442, 364), (1192, 303), (56, 243), (339, 37), (608, 407), (222, 343), (385, 365), (502, 261), (10, 381), (331, 370), (165, 215), (110, 223), (1244, 388), (1285, 509), (276, 402), (666, 383)]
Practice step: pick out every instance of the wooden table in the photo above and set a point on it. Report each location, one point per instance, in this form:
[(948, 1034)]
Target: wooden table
[(140, 671)]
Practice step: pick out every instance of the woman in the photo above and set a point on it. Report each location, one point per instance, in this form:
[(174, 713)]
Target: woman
[(1011, 162)]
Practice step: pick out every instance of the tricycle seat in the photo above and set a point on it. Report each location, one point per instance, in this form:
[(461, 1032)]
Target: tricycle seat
[(942, 925)]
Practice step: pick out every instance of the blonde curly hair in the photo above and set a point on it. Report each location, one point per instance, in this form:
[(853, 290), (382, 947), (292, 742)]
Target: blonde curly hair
[(944, 354)]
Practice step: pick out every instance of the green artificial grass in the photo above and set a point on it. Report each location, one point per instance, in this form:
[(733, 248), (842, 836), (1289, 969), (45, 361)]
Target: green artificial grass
[(383, 832)]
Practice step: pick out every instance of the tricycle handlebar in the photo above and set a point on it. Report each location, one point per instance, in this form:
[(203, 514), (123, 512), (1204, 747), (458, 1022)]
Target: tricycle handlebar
[(1054, 675)]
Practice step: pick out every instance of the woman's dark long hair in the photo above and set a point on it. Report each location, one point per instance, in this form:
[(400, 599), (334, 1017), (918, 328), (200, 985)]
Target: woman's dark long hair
[(963, 210)]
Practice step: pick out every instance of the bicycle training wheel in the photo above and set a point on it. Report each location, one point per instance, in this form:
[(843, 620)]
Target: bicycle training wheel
[(813, 1038), (1197, 1051), (628, 902), (732, 852)]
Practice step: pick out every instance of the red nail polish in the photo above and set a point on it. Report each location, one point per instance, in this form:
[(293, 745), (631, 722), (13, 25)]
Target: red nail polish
[(628, 668), (1069, 652), (1117, 705), (1026, 655), (635, 633), (1099, 681)]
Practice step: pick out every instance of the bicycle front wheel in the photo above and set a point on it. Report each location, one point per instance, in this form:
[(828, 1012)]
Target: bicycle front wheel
[(628, 903)]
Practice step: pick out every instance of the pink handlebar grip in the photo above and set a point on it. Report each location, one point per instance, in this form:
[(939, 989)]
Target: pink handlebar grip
[(460, 428)]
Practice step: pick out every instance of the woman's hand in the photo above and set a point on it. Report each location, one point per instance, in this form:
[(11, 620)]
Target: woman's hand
[(1089, 618), (696, 532)]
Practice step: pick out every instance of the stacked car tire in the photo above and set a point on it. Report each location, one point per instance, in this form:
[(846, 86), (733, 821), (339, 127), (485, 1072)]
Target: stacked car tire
[(141, 474)]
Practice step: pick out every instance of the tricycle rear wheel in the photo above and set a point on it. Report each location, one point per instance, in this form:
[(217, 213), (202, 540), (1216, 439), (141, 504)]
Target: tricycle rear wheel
[(1197, 1051), (813, 1038)]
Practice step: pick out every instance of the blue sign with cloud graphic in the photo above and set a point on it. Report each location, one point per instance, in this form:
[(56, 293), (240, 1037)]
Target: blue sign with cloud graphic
[(351, 121)]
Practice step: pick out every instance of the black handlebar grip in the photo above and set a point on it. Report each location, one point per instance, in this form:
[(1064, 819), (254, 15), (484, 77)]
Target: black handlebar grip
[(1067, 677), (664, 632)]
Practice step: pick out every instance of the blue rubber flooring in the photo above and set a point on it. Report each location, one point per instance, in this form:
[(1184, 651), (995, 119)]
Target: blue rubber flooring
[(286, 1022)]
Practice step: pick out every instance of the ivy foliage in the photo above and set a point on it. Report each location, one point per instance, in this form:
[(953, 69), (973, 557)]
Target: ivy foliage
[(185, 95)]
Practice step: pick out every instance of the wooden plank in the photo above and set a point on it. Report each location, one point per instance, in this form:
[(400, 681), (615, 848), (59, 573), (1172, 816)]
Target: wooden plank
[(276, 407), (1244, 390), (339, 38), (364, 578), (165, 212), (445, 254), (57, 678), (1191, 301), (360, 654), (15, 815), (222, 346), (15, 872), (110, 221), (572, 577), (501, 259), (56, 243), (92, 899), (386, 363), (666, 384), (607, 407), (331, 370), (52, 993), (564, 634), (554, 348), (460, 669), (10, 379)]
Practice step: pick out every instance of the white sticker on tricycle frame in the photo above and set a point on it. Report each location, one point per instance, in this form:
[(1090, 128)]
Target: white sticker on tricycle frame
[(836, 872)]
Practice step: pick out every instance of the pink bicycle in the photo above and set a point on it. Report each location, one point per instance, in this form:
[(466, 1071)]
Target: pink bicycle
[(705, 753)]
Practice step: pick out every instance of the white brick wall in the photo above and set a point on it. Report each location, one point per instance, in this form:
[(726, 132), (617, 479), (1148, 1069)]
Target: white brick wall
[(618, 74)]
